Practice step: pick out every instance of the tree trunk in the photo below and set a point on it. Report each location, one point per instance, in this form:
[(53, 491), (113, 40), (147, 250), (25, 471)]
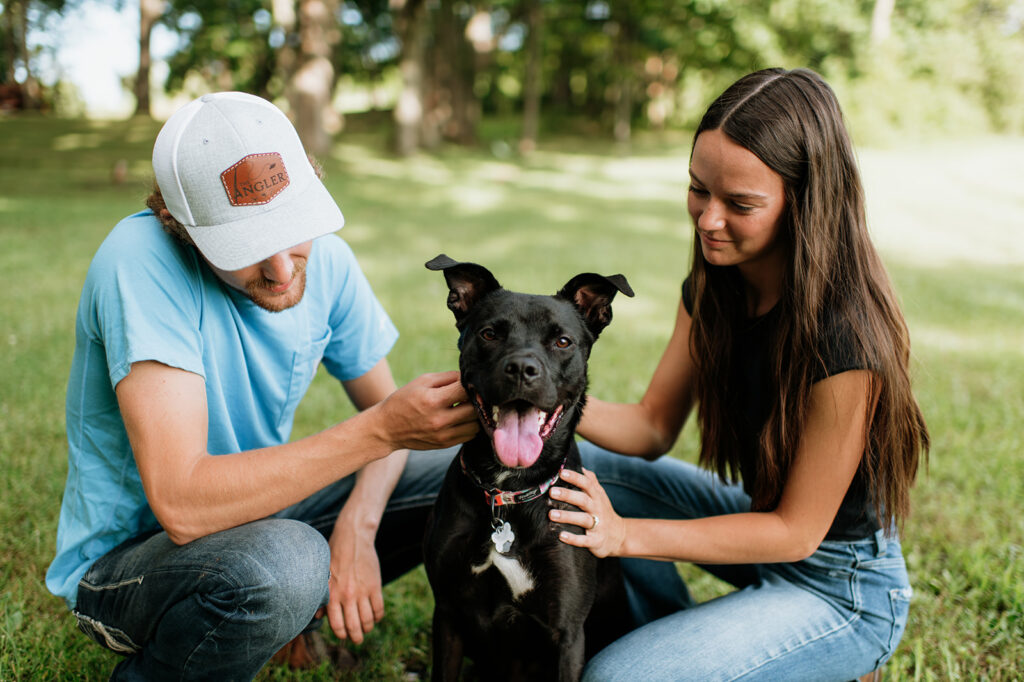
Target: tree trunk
[(308, 73), (481, 43), (313, 81), (410, 25), (465, 105), (10, 41), (450, 90), (149, 12), (623, 125), (881, 21), (287, 59), (561, 90), (436, 93), (30, 92), (532, 77)]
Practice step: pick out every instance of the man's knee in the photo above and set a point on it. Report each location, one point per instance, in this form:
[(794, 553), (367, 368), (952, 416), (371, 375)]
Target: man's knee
[(278, 567), (225, 602)]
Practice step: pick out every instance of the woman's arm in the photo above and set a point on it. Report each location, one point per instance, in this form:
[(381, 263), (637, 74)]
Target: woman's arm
[(827, 457), (648, 428)]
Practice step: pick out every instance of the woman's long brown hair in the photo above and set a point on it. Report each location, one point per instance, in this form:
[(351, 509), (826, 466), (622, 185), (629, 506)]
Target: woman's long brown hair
[(791, 120)]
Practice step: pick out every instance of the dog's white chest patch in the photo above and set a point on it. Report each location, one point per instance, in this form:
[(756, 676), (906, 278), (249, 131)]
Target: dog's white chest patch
[(519, 579)]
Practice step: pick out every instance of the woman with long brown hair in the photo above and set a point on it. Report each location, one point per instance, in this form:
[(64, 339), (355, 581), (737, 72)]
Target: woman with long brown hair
[(789, 340)]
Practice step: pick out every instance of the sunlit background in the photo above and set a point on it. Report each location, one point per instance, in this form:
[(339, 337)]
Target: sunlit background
[(541, 138)]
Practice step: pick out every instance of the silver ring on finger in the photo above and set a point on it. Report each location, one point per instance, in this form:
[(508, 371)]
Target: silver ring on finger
[(596, 521)]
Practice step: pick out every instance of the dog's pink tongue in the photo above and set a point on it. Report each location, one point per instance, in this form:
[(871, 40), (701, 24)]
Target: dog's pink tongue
[(517, 438)]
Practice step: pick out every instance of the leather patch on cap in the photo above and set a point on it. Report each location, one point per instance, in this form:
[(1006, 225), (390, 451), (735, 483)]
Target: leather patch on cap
[(256, 179)]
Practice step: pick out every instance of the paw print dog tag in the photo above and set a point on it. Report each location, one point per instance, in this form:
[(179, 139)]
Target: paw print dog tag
[(502, 537)]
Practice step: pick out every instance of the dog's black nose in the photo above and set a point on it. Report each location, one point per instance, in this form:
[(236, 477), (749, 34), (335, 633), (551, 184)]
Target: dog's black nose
[(523, 367)]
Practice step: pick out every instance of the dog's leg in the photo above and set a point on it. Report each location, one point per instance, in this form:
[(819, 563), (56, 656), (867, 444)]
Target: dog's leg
[(447, 649), (571, 659)]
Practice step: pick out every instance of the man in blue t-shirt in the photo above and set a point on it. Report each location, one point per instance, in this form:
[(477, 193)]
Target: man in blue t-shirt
[(194, 538)]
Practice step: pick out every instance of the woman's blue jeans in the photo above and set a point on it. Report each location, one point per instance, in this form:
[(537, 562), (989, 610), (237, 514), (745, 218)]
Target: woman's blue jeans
[(219, 607), (836, 615)]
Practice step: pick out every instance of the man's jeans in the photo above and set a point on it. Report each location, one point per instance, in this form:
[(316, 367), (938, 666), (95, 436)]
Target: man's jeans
[(836, 615), (219, 607)]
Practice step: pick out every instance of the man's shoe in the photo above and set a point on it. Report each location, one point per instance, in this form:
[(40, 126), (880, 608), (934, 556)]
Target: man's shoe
[(310, 649)]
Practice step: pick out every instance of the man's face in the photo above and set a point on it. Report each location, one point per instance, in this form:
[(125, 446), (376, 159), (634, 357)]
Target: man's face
[(274, 284)]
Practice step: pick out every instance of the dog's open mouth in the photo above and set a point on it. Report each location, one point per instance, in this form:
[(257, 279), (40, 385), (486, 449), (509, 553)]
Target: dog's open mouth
[(517, 429)]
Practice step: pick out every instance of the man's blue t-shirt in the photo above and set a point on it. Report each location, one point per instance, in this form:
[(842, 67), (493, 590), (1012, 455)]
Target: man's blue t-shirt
[(147, 297)]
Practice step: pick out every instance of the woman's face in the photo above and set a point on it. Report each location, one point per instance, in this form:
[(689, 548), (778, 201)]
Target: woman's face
[(736, 203)]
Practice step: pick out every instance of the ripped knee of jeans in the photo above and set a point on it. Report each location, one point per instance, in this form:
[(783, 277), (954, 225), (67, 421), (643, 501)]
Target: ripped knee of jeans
[(106, 636)]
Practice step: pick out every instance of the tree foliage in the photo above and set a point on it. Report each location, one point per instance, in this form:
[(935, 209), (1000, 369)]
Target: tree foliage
[(605, 65), (226, 44)]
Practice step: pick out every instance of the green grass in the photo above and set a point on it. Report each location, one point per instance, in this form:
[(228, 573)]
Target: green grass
[(947, 217)]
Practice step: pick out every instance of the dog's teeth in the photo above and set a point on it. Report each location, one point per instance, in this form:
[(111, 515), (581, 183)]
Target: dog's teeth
[(495, 412), (541, 418)]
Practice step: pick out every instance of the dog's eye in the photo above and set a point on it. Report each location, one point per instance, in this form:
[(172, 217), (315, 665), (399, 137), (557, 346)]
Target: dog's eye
[(563, 342), (487, 334)]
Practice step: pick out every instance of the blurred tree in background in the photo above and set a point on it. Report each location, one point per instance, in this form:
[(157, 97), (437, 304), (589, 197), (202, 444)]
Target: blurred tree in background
[(19, 87), (438, 68)]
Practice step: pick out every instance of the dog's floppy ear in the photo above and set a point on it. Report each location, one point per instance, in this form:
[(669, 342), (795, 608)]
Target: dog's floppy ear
[(467, 284), (592, 295)]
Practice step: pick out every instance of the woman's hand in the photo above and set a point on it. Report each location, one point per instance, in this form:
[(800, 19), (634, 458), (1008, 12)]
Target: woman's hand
[(605, 530)]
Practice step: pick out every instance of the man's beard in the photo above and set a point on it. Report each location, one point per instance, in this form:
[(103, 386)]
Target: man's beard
[(258, 290)]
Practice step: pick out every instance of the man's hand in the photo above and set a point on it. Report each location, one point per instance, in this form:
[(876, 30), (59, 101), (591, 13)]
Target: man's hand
[(356, 601), (430, 412)]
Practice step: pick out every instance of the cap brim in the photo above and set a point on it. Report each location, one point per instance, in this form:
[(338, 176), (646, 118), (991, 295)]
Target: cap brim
[(245, 242)]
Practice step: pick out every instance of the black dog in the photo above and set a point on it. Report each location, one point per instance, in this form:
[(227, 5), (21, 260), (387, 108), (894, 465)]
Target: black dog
[(507, 592)]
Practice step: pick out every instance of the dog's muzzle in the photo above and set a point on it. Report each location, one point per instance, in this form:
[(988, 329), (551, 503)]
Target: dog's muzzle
[(517, 429)]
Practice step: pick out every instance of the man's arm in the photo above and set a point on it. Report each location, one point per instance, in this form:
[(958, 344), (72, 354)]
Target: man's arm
[(356, 599), (193, 493)]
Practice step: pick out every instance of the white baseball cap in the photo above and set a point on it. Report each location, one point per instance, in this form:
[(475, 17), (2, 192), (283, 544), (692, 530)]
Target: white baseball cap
[(232, 170)]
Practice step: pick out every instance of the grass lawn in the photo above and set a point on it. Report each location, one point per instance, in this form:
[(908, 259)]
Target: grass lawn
[(948, 219)]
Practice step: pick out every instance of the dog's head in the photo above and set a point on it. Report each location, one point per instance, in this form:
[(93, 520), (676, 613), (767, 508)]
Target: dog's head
[(524, 357)]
